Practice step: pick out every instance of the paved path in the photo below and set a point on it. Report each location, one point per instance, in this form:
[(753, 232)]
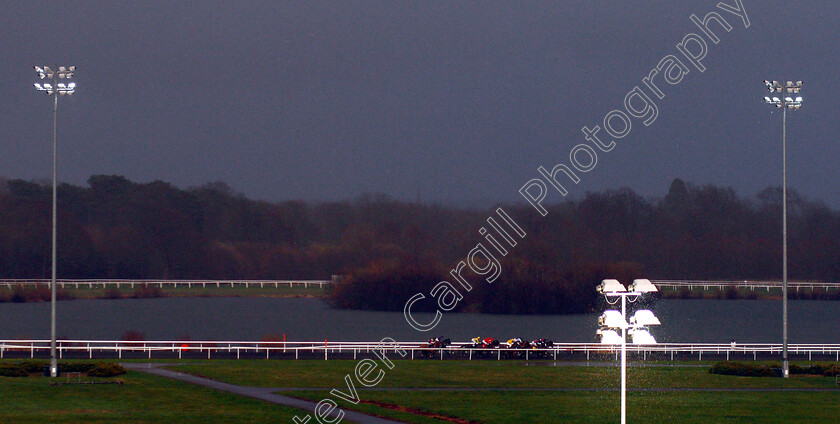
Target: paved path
[(262, 393)]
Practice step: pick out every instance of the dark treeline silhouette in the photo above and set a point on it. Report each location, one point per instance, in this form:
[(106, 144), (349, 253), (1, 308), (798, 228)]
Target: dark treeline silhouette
[(523, 287), (115, 228), (692, 232)]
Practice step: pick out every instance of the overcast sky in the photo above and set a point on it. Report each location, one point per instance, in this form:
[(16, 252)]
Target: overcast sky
[(451, 101)]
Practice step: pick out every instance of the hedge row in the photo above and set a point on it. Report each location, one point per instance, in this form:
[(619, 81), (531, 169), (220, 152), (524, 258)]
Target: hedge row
[(754, 370), (742, 369), (829, 370), (92, 369)]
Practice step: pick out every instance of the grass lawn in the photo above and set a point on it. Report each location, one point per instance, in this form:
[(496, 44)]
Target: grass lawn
[(492, 374), (150, 399), (560, 406), (141, 399), (504, 407)]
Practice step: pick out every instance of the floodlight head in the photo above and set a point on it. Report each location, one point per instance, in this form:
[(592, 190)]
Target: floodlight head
[(789, 84), (641, 285), (612, 319), (64, 72), (799, 100), (768, 100), (610, 286), (47, 88), (73, 68), (644, 317), (641, 336), (43, 71), (66, 88), (610, 337)]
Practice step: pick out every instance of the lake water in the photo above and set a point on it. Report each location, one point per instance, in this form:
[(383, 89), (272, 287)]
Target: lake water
[(306, 319)]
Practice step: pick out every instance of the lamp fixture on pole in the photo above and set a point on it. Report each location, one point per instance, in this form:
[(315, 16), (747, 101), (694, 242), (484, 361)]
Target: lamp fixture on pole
[(57, 84), (613, 320), (792, 101)]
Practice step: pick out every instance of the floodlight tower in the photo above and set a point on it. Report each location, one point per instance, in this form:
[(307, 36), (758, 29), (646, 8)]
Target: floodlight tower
[(55, 89), (784, 104), (612, 320)]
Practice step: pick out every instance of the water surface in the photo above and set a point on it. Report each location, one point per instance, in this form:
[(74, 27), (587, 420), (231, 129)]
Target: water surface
[(218, 318)]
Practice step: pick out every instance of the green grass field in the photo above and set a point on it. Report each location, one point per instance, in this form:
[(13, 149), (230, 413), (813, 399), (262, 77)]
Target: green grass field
[(568, 402), (141, 399), (564, 394), (504, 407), (485, 374)]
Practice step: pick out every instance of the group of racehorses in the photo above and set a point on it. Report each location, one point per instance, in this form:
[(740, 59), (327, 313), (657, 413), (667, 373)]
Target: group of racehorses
[(487, 343)]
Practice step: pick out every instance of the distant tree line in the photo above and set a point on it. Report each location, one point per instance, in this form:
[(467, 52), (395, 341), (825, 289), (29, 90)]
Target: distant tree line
[(116, 228), (524, 287), (692, 232)]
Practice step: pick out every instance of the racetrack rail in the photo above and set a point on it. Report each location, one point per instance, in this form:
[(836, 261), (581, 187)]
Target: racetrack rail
[(220, 349)]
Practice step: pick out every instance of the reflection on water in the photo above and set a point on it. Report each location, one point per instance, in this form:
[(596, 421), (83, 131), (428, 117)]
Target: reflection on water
[(688, 321)]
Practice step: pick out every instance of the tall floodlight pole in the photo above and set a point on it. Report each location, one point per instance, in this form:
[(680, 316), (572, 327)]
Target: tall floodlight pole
[(784, 103), (612, 320), (55, 89)]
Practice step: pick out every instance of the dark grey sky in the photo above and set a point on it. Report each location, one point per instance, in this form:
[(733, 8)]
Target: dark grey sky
[(457, 100)]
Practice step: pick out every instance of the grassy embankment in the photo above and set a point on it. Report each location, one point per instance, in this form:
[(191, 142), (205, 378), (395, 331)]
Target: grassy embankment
[(142, 398), (560, 394), (41, 293), (731, 293)]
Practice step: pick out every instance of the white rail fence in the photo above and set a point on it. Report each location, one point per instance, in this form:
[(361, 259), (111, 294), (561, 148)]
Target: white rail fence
[(413, 350), (9, 283), (750, 284), (672, 284)]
